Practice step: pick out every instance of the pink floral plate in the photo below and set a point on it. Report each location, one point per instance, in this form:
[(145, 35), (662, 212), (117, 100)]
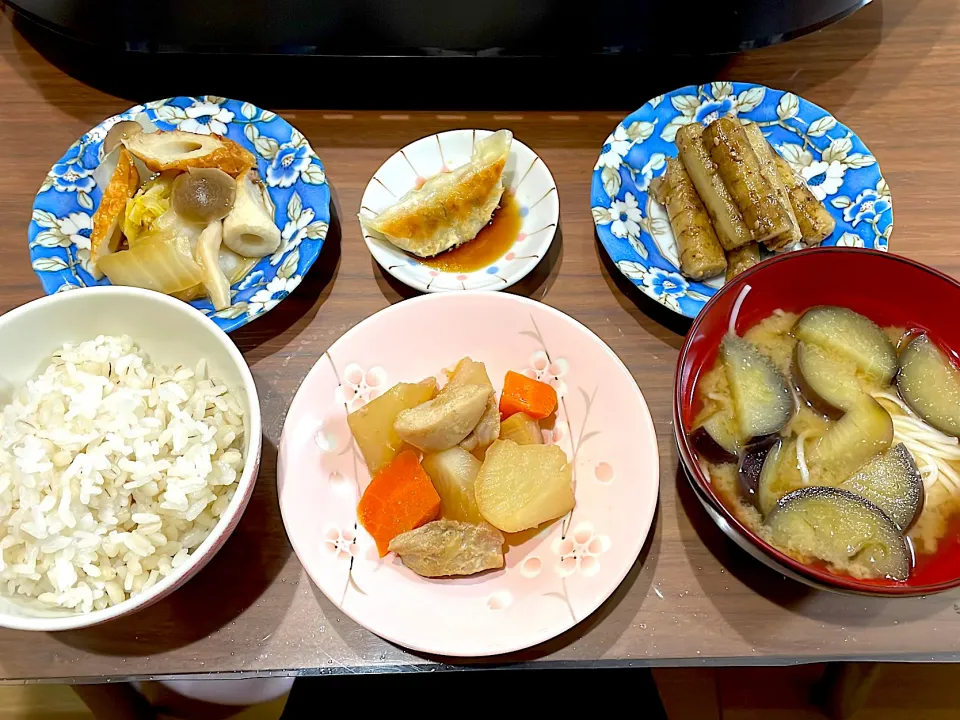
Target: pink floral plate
[(552, 579)]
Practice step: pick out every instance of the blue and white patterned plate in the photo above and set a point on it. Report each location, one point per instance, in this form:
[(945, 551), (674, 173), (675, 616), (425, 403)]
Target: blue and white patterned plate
[(633, 227), (63, 209)]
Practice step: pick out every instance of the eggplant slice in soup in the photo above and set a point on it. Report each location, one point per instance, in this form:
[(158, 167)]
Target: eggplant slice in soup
[(865, 430), (717, 438), (761, 396), (930, 384), (827, 381), (892, 482), (778, 476), (850, 334), (843, 529), (755, 458)]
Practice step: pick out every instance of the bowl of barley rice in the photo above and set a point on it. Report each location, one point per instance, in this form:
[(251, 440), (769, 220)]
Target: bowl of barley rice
[(129, 447)]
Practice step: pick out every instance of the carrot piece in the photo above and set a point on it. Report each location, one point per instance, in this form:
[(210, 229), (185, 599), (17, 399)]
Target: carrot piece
[(524, 394), (400, 498)]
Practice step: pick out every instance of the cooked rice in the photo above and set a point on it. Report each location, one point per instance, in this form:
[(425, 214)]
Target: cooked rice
[(112, 471)]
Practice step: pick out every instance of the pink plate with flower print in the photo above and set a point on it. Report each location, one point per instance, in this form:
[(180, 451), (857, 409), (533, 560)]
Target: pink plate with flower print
[(553, 579)]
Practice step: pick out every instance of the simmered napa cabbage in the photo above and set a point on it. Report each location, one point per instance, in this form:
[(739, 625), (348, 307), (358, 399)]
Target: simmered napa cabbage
[(151, 201)]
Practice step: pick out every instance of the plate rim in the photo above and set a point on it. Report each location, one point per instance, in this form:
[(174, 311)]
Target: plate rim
[(52, 284), (695, 87), (641, 538), (543, 247)]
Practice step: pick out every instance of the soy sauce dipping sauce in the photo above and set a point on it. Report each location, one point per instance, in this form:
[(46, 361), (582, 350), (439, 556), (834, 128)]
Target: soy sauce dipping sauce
[(490, 244)]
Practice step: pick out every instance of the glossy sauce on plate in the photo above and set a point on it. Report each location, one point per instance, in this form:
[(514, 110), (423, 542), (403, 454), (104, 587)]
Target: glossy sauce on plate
[(490, 244)]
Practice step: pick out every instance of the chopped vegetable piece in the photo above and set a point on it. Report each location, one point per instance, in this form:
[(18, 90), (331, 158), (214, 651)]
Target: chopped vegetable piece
[(165, 266), (522, 429), (851, 335), (469, 372), (845, 530), (208, 258), (526, 395), (826, 380), (142, 210), (778, 476), (234, 266), (441, 423), (761, 397), (752, 465), (865, 430), (398, 499), (892, 482), (454, 475), (446, 547), (930, 384), (718, 437), (372, 425), (522, 486)]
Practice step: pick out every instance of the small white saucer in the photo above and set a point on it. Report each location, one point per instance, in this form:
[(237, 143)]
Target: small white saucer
[(525, 175)]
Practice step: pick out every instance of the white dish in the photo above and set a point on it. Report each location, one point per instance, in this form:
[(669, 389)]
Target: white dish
[(171, 333), (526, 175)]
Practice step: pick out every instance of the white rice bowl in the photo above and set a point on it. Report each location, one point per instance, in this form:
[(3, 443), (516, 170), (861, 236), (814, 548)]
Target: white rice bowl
[(124, 464), (111, 471)]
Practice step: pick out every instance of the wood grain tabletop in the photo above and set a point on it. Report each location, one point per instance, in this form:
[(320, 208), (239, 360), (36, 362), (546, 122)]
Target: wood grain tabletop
[(889, 72)]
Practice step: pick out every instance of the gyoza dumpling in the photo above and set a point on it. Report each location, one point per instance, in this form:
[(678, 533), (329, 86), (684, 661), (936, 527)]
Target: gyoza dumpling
[(450, 208)]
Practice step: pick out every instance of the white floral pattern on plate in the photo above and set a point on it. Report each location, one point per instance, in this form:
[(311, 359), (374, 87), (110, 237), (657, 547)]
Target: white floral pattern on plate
[(525, 175), (528, 601), (340, 544), (580, 551), (634, 229), (60, 227), (360, 386)]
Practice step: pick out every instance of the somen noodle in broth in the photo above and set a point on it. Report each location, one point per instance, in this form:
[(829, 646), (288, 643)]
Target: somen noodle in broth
[(938, 460)]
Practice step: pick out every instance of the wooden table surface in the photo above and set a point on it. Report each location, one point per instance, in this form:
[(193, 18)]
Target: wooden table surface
[(889, 71)]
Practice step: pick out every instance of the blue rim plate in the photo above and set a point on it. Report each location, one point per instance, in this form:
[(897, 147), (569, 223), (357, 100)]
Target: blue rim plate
[(63, 210), (633, 228)]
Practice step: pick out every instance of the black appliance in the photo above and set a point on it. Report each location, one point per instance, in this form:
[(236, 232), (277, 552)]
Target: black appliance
[(435, 27)]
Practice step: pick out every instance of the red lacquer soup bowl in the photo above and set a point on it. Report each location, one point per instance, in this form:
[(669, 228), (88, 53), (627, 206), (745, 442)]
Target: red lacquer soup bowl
[(888, 289)]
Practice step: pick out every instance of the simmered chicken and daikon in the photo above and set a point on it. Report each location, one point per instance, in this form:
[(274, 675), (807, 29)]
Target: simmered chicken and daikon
[(454, 469)]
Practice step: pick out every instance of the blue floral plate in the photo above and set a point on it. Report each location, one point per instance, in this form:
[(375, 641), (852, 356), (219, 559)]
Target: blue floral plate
[(63, 209), (633, 227)]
